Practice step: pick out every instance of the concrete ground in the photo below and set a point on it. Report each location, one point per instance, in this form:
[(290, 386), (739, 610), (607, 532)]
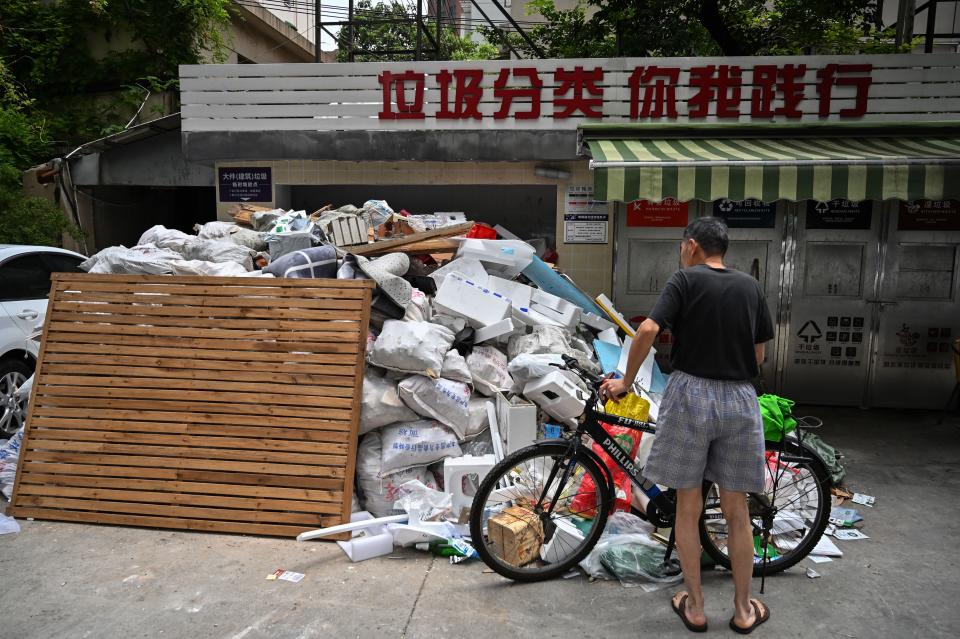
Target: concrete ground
[(73, 580)]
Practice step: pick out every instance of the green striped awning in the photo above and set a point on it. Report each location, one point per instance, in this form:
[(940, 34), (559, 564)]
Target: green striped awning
[(768, 168)]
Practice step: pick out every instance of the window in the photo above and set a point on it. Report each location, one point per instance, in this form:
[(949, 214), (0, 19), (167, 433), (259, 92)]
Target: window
[(60, 263), (24, 278)]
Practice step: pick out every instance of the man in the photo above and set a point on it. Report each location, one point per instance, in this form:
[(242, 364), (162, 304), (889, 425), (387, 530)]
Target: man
[(709, 424)]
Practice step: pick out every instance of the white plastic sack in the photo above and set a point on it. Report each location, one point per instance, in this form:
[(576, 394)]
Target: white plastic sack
[(230, 232), (453, 324), (416, 444), (479, 418), (381, 405), (147, 259), (488, 366), (442, 399), (455, 367), (218, 251), (550, 339), (412, 347), (9, 454), (419, 308), (163, 237), (199, 267), (380, 493), (526, 367)]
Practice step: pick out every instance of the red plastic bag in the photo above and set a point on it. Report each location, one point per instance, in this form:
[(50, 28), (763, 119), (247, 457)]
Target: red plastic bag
[(481, 231), (585, 503)]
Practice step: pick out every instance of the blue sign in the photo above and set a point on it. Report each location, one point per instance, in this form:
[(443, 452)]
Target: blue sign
[(746, 214), (245, 183)]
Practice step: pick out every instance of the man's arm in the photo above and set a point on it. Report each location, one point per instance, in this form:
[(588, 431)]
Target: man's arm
[(761, 351), (639, 350)]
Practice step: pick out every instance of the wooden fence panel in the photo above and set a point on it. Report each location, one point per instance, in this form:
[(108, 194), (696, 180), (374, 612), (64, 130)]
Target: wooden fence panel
[(199, 403)]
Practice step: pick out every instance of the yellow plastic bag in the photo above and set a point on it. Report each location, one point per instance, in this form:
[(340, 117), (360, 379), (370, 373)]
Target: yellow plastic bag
[(631, 406)]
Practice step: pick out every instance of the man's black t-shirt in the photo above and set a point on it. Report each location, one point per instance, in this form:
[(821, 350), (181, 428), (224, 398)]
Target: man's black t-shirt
[(716, 316)]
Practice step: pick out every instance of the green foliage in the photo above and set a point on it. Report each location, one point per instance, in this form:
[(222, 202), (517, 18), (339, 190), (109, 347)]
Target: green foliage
[(378, 41), (33, 220), (705, 27), (76, 70)]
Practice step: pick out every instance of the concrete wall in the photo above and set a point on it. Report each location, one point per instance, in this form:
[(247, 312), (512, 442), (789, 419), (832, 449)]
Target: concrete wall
[(590, 265), (260, 36)]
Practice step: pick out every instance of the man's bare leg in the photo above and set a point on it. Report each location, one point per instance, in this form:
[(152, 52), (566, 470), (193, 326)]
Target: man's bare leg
[(687, 529), (740, 549)]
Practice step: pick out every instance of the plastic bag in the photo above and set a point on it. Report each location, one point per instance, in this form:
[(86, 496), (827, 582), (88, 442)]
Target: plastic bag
[(163, 237), (380, 493), (199, 267), (9, 454), (585, 503), (419, 308), (218, 251), (445, 400), (455, 368), (381, 404), (626, 552), (488, 366), (526, 367), (416, 444), (479, 419), (147, 259), (551, 340), (412, 347), (422, 502)]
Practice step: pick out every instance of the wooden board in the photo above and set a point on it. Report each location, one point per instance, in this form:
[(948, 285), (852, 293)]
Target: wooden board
[(398, 243), (197, 403)]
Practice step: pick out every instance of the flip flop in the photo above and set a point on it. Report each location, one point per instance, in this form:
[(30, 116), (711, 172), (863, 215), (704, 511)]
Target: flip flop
[(760, 617), (681, 609)]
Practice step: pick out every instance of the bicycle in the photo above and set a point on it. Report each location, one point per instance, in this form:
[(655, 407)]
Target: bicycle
[(540, 489)]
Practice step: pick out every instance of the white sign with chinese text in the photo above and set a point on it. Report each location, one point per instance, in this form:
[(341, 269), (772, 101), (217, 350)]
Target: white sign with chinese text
[(562, 94)]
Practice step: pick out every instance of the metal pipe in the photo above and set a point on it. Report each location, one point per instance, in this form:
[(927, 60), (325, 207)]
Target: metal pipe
[(506, 40), (317, 26), (931, 26), (520, 30)]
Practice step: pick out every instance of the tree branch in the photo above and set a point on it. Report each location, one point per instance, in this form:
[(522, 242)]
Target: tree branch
[(711, 19)]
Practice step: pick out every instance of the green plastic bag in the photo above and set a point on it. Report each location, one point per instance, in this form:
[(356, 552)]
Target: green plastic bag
[(777, 415)]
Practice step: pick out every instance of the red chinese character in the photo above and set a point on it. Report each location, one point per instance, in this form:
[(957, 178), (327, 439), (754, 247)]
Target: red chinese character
[(766, 87), (659, 92), (828, 79), (579, 81), (405, 110), (468, 94), (721, 83), (507, 95)]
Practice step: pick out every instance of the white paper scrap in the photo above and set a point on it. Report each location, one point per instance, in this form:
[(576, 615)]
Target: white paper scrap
[(866, 500), (813, 574), (8, 525), (817, 559), (850, 534), (826, 548), (286, 575)]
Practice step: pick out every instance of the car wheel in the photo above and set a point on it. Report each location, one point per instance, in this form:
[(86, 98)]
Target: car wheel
[(13, 413)]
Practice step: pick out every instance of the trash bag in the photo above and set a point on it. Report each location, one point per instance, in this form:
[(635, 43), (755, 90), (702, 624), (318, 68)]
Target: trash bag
[(526, 367), (829, 455), (218, 251), (163, 237), (550, 340), (381, 404), (146, 259), (488, 366), (408, 445), (626, 552), (777, 415), (230, 232), (442, 399), (379, 493), (455, 368), (412, 347)]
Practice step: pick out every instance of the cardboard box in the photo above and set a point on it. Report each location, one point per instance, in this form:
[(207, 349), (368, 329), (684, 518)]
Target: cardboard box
[(516, 535)]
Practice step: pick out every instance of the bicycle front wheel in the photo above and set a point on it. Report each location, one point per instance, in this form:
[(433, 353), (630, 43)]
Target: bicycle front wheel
[(539, 512), (792, 519)]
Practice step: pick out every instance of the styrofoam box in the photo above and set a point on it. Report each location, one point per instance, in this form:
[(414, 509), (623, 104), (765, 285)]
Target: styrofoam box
[(505, 258), (556, 394), (477, 304), (555, 308), (565, 538), (517, 422)]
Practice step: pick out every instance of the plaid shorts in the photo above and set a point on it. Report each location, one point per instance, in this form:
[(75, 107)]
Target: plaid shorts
[(708, 429)]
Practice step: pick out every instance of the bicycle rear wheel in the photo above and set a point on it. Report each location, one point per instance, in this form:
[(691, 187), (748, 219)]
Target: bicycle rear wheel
[(799, 497), (539, 512)]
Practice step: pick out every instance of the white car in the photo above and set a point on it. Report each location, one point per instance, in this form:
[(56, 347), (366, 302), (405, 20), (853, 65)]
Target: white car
[(24, 287)]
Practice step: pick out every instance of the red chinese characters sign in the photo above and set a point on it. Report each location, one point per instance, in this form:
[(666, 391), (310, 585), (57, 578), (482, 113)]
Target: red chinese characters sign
[(723, 91), (669, 213)]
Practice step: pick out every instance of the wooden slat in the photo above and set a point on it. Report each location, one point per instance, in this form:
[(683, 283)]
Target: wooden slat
[(197, 403)]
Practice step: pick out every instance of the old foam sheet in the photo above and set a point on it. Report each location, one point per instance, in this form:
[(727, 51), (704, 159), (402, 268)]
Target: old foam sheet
[(201, 403)]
